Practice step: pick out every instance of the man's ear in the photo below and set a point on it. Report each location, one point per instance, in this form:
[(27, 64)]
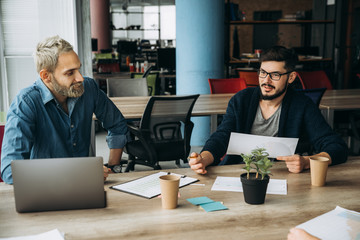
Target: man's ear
[(292, 77), (45, 75)]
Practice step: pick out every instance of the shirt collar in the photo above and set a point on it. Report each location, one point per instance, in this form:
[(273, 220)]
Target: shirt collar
[(46, 95)]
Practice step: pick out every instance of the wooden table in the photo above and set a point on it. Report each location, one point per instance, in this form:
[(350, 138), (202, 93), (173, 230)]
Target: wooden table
[(206, 105), (339, 100), (216, 104), (131, 217)]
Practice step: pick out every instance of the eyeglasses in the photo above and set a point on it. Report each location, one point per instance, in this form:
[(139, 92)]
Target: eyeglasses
[(274, 76)]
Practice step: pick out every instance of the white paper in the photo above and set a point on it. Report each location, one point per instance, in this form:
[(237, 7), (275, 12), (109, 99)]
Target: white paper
[(275, 146), (233, 184), (53, 235), (149, 186), (339, 223)]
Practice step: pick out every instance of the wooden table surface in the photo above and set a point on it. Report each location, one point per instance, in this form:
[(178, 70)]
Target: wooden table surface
[(132, 217), (205, 105), (216, 104)]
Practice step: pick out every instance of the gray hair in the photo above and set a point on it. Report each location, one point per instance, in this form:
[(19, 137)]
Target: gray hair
[(48, 51)]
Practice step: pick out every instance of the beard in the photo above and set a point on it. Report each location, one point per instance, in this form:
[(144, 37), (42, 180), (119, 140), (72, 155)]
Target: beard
[(276, 95), (75, 90)]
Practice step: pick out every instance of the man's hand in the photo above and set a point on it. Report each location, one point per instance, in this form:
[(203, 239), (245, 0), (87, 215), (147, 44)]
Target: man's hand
[(295, 163), (198, 162), (106, 172)]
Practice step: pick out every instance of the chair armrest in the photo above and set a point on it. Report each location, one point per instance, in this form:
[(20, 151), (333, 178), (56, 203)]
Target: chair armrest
[(143, 135)]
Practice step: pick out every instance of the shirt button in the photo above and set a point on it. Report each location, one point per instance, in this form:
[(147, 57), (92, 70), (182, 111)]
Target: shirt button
[(72, 126), (74, 144)]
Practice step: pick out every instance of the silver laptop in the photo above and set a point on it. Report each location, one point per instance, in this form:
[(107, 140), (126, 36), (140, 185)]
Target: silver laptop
[(58, 184)]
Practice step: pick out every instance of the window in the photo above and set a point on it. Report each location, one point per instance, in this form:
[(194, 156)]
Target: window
[(23, 24)]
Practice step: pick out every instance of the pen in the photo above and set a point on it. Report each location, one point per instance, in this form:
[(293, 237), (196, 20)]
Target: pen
[(182, 176)]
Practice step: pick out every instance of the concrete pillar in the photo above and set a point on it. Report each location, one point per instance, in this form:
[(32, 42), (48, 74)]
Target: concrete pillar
[(199, 53), (100, 23)]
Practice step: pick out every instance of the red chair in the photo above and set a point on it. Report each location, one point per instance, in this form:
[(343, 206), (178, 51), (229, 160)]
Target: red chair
[(2, 128), (226, 85), (315, 79), (251, 78)]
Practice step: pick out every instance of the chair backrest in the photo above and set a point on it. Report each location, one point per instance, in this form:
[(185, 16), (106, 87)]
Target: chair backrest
[(298, 83), (152, 81), (315, 79), (164, 116), (251, 78), (315, 94), (226, 85), (126, 87)]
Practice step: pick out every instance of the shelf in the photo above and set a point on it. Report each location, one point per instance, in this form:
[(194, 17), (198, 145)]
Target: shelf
[(283, 22)]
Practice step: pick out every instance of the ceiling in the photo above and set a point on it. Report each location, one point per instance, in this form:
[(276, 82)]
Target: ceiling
[(141, 2)]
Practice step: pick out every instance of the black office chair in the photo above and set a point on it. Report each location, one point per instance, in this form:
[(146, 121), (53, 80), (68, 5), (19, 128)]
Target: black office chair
[(315, 94), (164, 132)]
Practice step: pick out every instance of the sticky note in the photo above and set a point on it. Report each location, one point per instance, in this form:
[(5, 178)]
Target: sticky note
[(200, 200), (213, 206)]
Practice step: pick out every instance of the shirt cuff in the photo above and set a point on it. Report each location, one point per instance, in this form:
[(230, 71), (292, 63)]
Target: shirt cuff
[(7, 176), (117, 141)]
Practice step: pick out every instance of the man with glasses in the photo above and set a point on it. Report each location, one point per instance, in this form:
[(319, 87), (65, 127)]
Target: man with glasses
[(273, 109)]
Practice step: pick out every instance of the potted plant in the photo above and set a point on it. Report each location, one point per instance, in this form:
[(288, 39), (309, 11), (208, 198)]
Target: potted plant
[(255, 183)]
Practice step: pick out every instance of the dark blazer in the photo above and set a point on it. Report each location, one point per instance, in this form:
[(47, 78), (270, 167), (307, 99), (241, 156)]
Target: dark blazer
[(300, 118)]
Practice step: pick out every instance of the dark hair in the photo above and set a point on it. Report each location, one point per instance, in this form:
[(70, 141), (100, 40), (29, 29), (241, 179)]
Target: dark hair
[(280, 54)]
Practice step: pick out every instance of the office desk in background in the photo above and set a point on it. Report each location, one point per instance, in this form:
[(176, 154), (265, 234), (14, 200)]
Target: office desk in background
[(131, 217), (207, 105), (216, 104), (339, 100)]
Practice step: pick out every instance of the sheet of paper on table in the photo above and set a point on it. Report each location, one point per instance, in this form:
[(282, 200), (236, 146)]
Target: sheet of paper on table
[(275, 146), (233, 184), (53, 235), (339, 223)]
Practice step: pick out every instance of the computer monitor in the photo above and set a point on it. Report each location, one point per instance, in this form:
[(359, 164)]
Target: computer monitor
[(127, 47), (166, 59)]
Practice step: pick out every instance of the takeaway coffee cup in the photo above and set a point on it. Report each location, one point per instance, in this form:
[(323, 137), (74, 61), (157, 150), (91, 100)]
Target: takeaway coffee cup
[(169, 191), (318, 169)]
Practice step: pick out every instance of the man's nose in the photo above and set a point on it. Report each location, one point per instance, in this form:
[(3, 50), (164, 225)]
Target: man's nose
[(79, 77)]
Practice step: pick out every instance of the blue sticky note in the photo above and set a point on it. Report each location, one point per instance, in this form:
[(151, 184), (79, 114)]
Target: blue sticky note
[(199, 200), (213, 206)]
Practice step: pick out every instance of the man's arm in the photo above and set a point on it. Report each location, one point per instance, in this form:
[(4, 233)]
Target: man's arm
[(18, 137), (115, 156), (297, 163)]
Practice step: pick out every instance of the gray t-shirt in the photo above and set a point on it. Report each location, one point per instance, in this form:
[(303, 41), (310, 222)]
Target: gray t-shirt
[(266, 127)]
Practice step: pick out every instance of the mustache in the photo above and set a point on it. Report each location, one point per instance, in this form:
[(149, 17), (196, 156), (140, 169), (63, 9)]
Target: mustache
[(76, 84), (268, 85)]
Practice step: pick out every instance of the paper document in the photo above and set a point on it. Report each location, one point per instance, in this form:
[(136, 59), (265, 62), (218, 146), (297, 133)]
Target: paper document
[(53, 235), (233, 184), (275, 146), (339, 223), (149, 186)]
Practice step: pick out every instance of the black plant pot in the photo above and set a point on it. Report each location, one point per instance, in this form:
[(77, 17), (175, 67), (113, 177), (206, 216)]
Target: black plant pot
[(254, 189)]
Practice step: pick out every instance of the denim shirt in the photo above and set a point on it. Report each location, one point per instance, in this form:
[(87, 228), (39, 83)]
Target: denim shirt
[(38, 127)]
